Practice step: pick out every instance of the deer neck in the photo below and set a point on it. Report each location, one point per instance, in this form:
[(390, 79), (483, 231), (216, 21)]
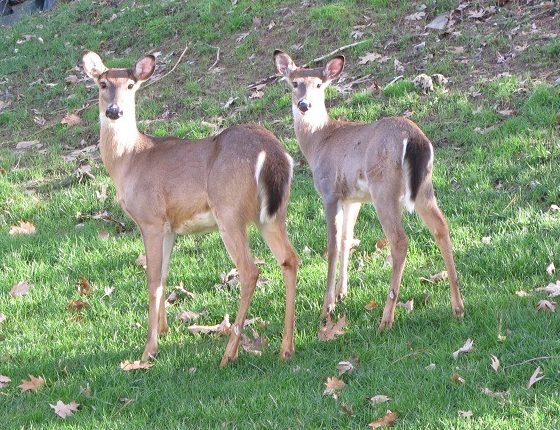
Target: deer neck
[(309, 127), (119, 139)]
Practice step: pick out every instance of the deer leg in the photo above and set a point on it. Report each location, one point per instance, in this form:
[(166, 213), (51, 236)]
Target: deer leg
[(389, 212), (153, 243), (237, 246), (350, 211), (333, 214), (168, 242), (428, 210), (276, 236)]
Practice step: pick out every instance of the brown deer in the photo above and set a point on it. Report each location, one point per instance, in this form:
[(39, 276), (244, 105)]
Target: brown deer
[(388, 162), (170, 186)]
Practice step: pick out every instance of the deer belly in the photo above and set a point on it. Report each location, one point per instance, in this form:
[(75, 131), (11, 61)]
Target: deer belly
[(202, 222)]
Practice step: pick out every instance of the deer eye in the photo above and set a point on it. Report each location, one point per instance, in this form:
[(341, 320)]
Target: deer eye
[(102, 85), (294, 84), (130, 86)]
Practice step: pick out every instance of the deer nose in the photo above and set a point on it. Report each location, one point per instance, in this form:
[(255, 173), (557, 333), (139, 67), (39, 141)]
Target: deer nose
[(303, 105), (113, 112)]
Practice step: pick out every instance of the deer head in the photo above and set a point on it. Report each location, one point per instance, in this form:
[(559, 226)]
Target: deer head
[(117, 87), (308, 85)]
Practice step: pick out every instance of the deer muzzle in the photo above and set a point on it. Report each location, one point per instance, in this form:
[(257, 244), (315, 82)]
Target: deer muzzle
[(113, 112), (303, 105)]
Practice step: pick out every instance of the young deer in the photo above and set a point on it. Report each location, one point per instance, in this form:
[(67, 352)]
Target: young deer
[(388, 163), (169, 186)]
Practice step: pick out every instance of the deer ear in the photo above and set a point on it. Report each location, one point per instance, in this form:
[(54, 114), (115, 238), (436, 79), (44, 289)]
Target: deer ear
[(144, 68), (92, 64), (284, 63), (333, 68)]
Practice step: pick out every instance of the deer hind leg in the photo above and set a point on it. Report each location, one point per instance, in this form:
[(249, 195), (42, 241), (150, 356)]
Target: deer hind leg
[(168, 242), (153, 243), (334, 216), (276, 236), (350, 214), (428, 210), (235, 241), (389, 211)]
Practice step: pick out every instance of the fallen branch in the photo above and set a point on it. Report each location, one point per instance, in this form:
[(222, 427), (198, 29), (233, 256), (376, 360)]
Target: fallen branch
[(274, 78)]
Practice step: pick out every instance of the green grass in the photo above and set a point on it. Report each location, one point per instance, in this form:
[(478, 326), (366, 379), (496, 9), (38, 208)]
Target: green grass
[(494, 176)]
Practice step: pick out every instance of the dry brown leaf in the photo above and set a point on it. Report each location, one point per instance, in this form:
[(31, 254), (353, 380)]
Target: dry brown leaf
[(332, 385), (179, 292), (224, 328), (457, 379), (346, 409), (4, 380), (127, 366), (465, 414), (371, 305), (20, 289), (253, 344), (64, 410), (380, 398), (77, 306), (381, 244), (24, 227), (332, 329), (34, 383), (415, 16), (546, 305), (535, 377), (71, 119), (477, 13), (467, 347), (438, 277), (408, 305), (495, 394), (188, 316), (71, 79), (103, 234), (141, 261), (494, 363), (346, 366), (84, 287), (370, 56), (553, 290), (386, 421)]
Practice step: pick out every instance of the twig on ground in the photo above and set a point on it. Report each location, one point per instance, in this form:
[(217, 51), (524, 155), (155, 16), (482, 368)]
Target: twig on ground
[(217, 57), (530, 360), (274, 78)]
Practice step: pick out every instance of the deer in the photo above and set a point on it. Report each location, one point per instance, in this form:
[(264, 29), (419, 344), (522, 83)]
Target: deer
[(388, 162), (170, 186)]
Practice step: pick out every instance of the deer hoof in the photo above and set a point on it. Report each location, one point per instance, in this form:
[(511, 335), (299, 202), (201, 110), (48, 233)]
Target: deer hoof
[(286, 352), (341, 295), (328, 310), (163, 330), (149, 354), (459, 312), (385, 325)]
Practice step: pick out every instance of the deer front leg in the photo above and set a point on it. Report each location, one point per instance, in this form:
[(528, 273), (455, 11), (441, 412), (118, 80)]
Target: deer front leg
[(153, 243), (350, 211), (333, 214)]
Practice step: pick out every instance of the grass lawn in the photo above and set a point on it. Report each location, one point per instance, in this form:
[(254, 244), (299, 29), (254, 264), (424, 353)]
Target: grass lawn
[(496, 134)]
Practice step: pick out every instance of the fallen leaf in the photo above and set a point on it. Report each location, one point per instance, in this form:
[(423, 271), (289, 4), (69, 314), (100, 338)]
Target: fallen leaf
[(77, 306), (127, 366), (386, 421), (380, 398), (430, 366), (415, 16), (253, 344), (357, 34), (84, 287), (345, 367), (522, 293), (179, 292), (424, 83), (24, 227), (408, 305), (457, 379), (20, 289), (332, 329), (494, 363), (64, 410), (545, 305), (346, 409), (506, 112), (439, 22), (371, 56), (465, 414), (85, 391), (477, 13), (4, 380), (71, 119), (108, 291), (103, 234), (188, 316), (101, 195), (467, 347), (399, 68), (242, 36), (553, 290), (550, 269), (381, 244), (371, 305), (486, 239), (71, 79), (495, 394), (332, 385), (27, 144), (141, 261), (224, 328), (34, 383), (535, 377), (271, 25)]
